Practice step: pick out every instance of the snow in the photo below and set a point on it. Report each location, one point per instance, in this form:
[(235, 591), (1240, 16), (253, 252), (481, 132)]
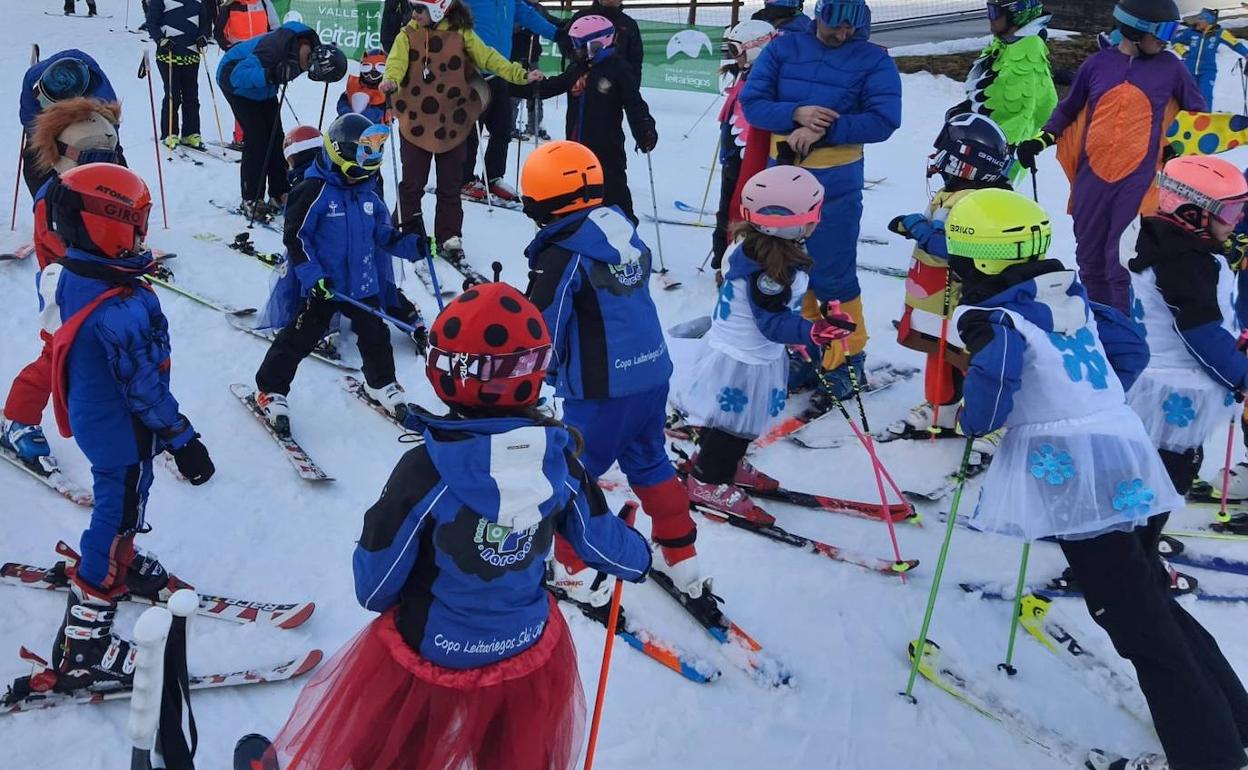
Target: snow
[(257, 531)]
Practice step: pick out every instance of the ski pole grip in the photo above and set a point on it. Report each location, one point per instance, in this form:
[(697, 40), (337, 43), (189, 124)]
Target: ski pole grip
[(184, 603), (150, 633)]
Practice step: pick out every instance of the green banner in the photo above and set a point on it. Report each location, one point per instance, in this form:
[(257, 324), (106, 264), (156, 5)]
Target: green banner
[(677, 56)]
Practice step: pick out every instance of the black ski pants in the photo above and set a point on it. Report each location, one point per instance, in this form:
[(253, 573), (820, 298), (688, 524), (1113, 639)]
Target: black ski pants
[(297, 341), (1199, 706), (497, 121), (730, 172), (181, 96), (719, 454), (262, 135)]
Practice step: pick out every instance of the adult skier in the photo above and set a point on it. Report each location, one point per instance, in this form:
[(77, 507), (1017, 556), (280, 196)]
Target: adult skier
[(1198, 43), (180, 29)]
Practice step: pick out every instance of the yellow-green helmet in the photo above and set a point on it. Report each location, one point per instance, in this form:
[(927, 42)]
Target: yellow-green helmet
[(997, 228)]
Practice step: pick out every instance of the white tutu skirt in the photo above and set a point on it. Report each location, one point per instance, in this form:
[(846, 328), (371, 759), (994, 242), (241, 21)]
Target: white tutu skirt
[(1074, 479), (1180, 409), (718, 391)]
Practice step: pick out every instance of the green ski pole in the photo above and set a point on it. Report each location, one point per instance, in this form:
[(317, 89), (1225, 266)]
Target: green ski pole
[(1008, 665)]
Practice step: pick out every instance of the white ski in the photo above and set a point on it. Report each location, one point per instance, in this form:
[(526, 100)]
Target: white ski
[(47, 472), (304, 465)]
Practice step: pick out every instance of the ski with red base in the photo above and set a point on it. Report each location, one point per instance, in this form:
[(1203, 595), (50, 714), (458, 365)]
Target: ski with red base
[(898, 512), (46, 471), (21, 252)]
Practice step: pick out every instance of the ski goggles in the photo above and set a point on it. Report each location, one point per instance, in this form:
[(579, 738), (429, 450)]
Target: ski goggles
[(946, 162), (735, 49), (834, 13), (485, 367), (117, 211), (1226, 210), (594, 43), (371, 146), (999, 9), (1164, 31), (783, 224), (83, 157)]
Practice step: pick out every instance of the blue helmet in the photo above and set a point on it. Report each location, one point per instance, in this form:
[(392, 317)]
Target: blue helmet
[(65, 78), (784, 3), (836, 12)]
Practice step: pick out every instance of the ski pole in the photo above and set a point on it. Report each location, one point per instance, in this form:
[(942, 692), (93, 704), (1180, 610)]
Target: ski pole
[(145, 71), (169, 99), (412, 331), (707, 258), (268, 152), (320, 121), (433, 274), (1008, 665), (150, 633), (212, 91), (1223, 516), (17, 181), (489, 196), (921, 644), (654, 204), (940, 351), (1035, 189), (630, 510), (703, 115), (290, 107), (710, 174)]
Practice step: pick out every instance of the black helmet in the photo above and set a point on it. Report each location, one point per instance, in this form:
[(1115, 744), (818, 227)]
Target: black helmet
[(328, 64), (64, 78), (1137, 18), (355, 146), (971, 147)]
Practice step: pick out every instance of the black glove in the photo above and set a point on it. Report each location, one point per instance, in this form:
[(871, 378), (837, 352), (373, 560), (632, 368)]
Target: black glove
[(201, 42), (420, 338), (164, 44), (1236, 250), (1028, 149), (323, 289), (285, 71), (193, 461), (649, 139)]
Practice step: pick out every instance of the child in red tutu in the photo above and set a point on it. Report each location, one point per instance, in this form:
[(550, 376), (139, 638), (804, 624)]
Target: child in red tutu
[(470, 665)]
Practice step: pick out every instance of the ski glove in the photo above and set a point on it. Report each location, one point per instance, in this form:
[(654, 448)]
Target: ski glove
[(649, 139), (323, 289), (1236, 250), (1028, 149), (193, 461), (913, 226), (835, 325), (201, 42), (165, 44), (285, 71)]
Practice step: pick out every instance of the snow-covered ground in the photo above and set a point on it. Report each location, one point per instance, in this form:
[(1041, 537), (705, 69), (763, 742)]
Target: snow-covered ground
[(258, 531)]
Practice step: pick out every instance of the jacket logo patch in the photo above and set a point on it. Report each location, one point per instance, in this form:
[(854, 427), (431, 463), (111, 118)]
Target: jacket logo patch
[(604, 85), (488, 549), (368, 208), (333, 210), (628, 273), (768, 285)]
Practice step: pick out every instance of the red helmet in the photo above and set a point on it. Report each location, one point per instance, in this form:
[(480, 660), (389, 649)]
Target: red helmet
[(488, 348), (101, 208), (301, 139)]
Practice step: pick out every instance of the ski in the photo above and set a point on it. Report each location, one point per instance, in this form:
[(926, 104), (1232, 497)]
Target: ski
[(178, 152), (898, 512), (692, 329), (356, 388), (22, 696), (891, 272), (667, 655), (271, 223), (199, 298), (494, 201), (935, 494), (56, 578), (460, 263), (79, 15), (194, 153), (1002, 592), (835, 553), (1035, 615), (325, 352), (946, 675), (1174, 552), (738, 646), (885, 436), (1204, 493), (304, 465), (444, 289), (46, 471), (21, 252), (665, 281)]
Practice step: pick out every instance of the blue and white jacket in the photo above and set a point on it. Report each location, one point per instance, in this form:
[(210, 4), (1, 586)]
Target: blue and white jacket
[(182, 22), (29, 106), (589, 274), (247, 69), (341, 232), (459, 538), (756, 316)]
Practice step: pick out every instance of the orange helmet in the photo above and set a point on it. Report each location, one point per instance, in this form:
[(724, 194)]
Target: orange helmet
[(100, 208), (559, 178)]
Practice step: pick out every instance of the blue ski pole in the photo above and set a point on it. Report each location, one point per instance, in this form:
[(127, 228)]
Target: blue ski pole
[(416, 333)]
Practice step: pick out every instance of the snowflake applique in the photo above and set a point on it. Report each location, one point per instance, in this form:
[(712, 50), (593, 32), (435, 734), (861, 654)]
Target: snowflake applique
[(1178, 410), (732, 400), (1137, 315), (1081, 358), (1133, 497), (778, 399), (723, 305), (1230, 398), (1053, 466)]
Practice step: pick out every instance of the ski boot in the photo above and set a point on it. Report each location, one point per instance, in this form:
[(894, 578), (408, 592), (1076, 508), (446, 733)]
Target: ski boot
[(25, 441), (473, 190), (391, 398), (503, 191), (841, 384), (1104, 760), (678, 428), (586, 586), (1237, 488), (148, 578), (985, 446), (276, 411), (452, 249), (194, 141), (543, 135), (726, 498), (923, 423), (257, 210), (87, 653), (680, 566), (749, 477), (254, 752), (1181, 583), (91, 10), (171, 142)]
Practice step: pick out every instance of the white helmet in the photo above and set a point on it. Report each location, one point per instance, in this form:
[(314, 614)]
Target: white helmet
[(748, 37), (436, 8)]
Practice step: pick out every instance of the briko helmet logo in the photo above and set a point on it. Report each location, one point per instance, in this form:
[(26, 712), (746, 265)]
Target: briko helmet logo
[(957, 228)]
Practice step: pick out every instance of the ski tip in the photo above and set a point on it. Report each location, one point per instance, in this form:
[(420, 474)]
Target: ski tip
[(310, 661), (296, 617)]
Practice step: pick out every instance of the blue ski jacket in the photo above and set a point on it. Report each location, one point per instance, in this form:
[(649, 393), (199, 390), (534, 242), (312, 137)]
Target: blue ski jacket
[(248, 69), (459, 538), (117, 370), (589, 274), (494, 21), (29, 106), (341, 232)]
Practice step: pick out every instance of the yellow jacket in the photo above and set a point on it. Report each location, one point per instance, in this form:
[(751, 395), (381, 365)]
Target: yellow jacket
[(485, 58)]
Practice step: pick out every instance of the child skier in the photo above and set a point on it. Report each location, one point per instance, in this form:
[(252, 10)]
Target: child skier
[(180, 29), (363, 93), (67, 134), (1076, 464), (602, 91), (590, 277), (110, 377), (339, 240), (972, 153), (1198, 44), (470, 664), (431, 73), (737, 386), (743, 43), (301, 147)]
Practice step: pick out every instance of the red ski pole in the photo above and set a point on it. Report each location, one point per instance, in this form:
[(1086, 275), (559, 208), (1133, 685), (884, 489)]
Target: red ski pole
[(146, 72), (630, 510), (21, 153), (1223, 516)]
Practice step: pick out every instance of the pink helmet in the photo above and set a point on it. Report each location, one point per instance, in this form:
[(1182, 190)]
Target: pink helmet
[(782, 201), (592, 34), (1194, 188)]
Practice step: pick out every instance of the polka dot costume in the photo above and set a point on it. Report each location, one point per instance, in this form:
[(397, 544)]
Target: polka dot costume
[(436, 104)]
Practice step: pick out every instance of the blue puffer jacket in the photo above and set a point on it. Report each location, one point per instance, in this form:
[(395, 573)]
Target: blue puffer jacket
[(858, 80), (459, 538), (118, 364), (590, 277), (99, 87), (182, 22), (494, 21), (246, 70), (341, 232)]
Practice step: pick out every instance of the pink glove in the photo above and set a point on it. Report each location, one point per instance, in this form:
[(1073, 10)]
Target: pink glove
[(835, 325)]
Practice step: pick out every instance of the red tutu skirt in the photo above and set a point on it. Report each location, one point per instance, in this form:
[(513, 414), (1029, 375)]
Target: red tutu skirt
[(378, 705)]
